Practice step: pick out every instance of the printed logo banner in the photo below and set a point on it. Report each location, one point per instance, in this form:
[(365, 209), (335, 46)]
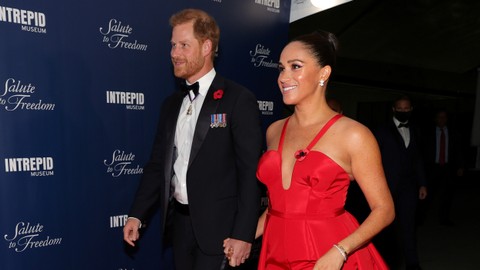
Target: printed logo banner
[(81, 86)]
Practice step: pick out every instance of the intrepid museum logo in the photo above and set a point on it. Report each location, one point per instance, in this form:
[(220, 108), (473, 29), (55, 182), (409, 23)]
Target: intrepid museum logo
[(118, 221), (121, 164), (37, 166), (260, 57), (30, 21), (17, 95), (272, 5), (131, 100), (266, 107), (117, 35), (29, 236)]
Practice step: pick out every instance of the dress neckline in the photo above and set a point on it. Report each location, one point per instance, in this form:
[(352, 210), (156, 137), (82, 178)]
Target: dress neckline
[(302, 153), (319, 135)]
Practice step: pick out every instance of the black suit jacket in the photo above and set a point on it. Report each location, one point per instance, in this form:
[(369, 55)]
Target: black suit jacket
[(223, 191), (403, 166)]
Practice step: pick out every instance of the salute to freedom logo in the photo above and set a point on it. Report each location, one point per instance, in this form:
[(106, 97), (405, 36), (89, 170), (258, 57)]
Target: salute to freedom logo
[(117, 34), (260, 57), (17, 95), (28, 236), (121, 164)]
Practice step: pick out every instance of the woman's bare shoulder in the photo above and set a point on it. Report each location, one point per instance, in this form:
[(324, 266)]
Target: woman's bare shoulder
[(274, 130), (354, 130), (276, 126)]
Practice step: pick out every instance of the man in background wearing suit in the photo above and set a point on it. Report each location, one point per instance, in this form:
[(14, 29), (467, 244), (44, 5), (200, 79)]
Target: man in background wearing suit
[(400, 148), (444, 163), (203, 163)]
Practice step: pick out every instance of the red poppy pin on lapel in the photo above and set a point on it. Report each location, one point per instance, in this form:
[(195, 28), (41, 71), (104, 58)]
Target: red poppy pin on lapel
[(218, 94)]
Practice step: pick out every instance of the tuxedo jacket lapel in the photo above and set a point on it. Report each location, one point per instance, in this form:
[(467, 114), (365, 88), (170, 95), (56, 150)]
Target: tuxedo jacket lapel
[(204, 119), (397, 135)]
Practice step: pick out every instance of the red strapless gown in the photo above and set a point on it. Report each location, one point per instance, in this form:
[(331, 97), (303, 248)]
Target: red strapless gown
[(305, 221)]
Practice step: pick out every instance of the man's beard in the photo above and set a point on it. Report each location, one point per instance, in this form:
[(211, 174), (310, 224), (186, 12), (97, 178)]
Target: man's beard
[(189, 69)]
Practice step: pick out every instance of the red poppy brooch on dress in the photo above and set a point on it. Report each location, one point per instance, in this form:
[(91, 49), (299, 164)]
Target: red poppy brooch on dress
[(218, 94), (301, 154)]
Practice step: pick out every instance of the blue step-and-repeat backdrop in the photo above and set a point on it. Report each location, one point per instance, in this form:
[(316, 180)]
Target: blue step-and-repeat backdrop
[(81, 83)]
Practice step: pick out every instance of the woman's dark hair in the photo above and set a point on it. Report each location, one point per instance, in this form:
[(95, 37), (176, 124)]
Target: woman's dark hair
[(322, 44)]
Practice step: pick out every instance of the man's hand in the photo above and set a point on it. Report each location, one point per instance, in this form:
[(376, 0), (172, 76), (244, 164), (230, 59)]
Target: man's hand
[(130, 231), (237, 251)]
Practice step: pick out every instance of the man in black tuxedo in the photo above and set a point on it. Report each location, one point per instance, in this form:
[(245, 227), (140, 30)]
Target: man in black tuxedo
[(445, 163), (204, 158), (399, 144)]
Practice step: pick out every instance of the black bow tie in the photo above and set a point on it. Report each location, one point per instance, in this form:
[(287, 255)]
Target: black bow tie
[(406, 125), (190, 90)]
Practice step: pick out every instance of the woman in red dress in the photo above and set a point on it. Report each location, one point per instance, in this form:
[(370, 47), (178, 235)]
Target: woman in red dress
[(311, 158)]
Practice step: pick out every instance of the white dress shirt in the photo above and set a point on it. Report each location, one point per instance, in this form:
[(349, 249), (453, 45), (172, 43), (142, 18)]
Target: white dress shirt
[(184, 136), (404, 131)]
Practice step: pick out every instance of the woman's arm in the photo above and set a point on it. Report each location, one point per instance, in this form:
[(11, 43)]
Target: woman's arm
[(261, 224), (367, 170)]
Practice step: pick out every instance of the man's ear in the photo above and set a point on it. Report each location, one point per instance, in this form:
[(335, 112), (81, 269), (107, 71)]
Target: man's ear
[(207, 47)]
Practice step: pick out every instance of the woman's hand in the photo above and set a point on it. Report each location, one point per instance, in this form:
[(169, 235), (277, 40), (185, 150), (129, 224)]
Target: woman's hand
[(332, 260)]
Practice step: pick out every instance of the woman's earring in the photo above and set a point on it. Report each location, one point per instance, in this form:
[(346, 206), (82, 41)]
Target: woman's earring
[(322, 82)]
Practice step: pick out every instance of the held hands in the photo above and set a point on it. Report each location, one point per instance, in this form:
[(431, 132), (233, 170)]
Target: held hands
[(130, 231), (332, 260), (236, 251)]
